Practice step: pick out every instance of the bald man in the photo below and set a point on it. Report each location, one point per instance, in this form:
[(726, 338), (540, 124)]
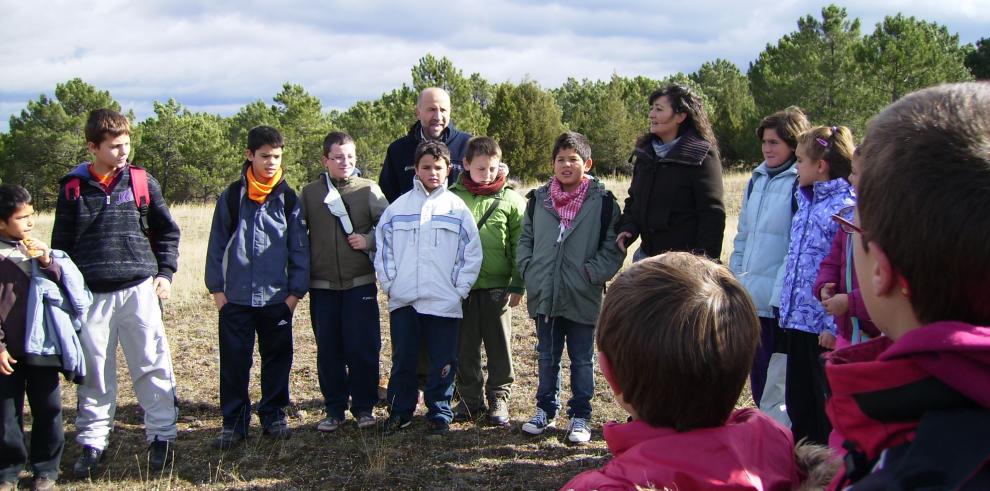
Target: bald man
[(433, 114)]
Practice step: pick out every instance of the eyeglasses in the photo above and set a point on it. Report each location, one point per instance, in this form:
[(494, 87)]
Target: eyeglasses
[(846, 225)]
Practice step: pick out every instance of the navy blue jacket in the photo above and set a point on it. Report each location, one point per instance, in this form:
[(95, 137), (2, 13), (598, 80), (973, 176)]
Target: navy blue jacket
[(398, 170), (264, 257)]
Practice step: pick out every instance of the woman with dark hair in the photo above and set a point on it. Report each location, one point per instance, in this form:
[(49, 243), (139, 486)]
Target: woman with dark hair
[(675, 198)]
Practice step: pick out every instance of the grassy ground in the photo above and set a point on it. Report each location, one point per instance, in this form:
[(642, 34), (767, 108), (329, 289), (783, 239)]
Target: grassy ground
[(471, 456)]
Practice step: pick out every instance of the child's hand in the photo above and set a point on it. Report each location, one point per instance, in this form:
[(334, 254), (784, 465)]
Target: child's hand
[(620, 240), (7, 363), (357, 242), (826, 340), (291, 301), (163, 287), (837, 305), (828, 289), (38, 249), (514, 299), (220, 299)]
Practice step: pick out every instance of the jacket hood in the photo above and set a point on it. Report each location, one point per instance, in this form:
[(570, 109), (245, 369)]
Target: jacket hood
[(824, 189)]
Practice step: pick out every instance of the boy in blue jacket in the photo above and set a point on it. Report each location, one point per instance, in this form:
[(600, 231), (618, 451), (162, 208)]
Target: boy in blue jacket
[(257, 268)]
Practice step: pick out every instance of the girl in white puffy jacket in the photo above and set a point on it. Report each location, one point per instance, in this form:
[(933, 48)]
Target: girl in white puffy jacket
[(429, 256)]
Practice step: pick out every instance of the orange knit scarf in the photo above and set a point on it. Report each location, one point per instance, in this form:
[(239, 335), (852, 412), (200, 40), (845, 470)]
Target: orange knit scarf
[(258, 190)]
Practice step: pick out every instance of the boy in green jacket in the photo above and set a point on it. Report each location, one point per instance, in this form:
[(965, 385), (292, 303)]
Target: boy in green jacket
[(566, 253), (498, 212)]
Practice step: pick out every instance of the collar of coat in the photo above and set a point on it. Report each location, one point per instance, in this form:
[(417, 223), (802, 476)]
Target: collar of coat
[(690, 149)]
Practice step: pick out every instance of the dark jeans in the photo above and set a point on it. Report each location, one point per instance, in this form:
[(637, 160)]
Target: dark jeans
[(47, 439), (348, 343), (238, 325), (408, 328), (552, 334), (488, 320), (770, 331), (806, 388)]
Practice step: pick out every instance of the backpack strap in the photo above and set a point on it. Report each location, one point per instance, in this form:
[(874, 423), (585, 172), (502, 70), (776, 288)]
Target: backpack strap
[(233, 202), (491, 209), (608, 201), (794, 201), (142, 198), (530, 204), (72, 191)]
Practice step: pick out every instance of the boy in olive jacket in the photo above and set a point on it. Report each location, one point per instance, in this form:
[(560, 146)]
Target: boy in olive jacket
[(341, 211), (566, 253), (498, 212)]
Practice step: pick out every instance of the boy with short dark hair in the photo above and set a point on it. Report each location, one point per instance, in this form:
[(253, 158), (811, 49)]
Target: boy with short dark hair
[(257, 268), (37, 341), (676, 338), (914, 405), (341, 211), (566, 253), (127, 251), (498, 211)]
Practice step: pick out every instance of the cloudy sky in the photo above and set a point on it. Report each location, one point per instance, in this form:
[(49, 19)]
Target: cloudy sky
[(217, 55)]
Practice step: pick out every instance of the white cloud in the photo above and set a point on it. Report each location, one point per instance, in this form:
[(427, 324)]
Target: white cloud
[(219, 55)]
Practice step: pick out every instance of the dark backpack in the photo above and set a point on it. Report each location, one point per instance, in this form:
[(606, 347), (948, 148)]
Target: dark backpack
[(608, 201), (233, 201), (139, 186)]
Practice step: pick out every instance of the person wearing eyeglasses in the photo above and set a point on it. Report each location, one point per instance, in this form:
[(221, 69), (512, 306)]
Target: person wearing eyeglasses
[(824, 158)]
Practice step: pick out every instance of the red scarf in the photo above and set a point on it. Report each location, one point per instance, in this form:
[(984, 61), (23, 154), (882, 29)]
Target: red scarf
[(566, 203), (483, 189)]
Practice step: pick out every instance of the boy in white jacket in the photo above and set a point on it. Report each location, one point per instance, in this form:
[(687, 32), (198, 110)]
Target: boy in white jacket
[(429, 256)]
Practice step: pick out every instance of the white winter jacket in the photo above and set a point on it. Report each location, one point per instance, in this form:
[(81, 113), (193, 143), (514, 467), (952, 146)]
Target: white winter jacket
[(429, 252)]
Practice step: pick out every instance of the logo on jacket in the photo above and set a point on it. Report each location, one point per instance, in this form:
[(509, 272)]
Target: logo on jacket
[(126, 197)]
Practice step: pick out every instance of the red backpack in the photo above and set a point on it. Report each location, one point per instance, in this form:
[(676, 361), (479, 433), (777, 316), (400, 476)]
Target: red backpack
[(139, 186)]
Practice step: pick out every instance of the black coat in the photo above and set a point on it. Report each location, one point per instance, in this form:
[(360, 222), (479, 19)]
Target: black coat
[(398, 169), (675, 202)]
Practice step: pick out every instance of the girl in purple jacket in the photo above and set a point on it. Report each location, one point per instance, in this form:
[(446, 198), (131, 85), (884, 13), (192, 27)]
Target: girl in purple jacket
[(824, 161)]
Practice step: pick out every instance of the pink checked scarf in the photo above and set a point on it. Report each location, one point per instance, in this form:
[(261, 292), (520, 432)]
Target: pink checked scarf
[(567, 204)]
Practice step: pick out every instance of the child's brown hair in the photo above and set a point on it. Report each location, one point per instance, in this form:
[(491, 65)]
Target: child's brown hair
[(834, 145), (788, 123), (482, 145), (680, 333), (104, 122), (924, 197)]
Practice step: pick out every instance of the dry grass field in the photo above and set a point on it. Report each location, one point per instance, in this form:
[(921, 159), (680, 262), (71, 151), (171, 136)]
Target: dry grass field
[(471, 456)]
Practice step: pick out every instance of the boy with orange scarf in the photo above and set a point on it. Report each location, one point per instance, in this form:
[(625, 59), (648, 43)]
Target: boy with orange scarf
[(257, 268)]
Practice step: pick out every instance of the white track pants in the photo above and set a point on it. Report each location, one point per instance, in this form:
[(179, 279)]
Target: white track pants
[(134, 317)]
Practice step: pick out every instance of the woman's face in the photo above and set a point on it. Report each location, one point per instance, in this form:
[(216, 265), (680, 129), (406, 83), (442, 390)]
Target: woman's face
[(663, 120), (775, 150)]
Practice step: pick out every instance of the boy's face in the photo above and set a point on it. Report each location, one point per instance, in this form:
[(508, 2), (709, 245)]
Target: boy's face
[(569, 168), (340, 161), (484, 168), (265, 161), (775, 150), (20, 223), (431, 172), (111, 154)]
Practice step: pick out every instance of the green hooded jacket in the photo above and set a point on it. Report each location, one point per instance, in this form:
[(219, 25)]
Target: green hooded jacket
[(499, 236)]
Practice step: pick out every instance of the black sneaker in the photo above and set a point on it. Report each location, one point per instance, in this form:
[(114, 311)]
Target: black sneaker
[(160, 455), (395, 423), (278, 430), (439, 427), (228, 439), (89, 459)]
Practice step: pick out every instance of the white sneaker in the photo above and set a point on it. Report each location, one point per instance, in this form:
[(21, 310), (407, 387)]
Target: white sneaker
[(578, 431), (328, 424), (538, 423)]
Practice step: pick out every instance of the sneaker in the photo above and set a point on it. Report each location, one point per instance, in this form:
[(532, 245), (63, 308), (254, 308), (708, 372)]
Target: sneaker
[(42, 484), (395, 423), (366, 420), (89, 459), (538, 423), (278, 430), (228, 439), (499, 412), (328, 424), (578, 431), (439, 427), (462, 412), (160, 454)]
